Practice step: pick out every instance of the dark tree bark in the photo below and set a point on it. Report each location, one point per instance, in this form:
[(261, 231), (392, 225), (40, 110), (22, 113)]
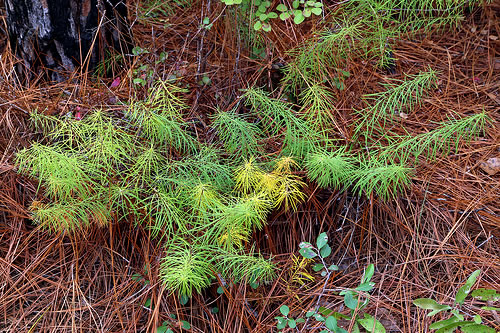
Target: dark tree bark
[(60, 35)]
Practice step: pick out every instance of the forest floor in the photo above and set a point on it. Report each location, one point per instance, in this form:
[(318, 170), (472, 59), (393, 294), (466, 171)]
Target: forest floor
[(424, 243)]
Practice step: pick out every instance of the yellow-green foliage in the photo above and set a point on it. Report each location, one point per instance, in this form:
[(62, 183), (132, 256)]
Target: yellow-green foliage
[(280, 186)]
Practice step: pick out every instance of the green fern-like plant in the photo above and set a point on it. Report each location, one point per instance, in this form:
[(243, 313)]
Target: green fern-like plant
[(237, 134), (398, 97), (330, 169)]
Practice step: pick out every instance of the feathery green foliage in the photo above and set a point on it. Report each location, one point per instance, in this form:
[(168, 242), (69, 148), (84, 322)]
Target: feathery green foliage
[(395, 99), (317, 106), (276, 114), (63, 176), (378, 177), (441, 139), (330, 169), (238, 135), (330, 49), (251, 267), (186, 268), (74, 215)]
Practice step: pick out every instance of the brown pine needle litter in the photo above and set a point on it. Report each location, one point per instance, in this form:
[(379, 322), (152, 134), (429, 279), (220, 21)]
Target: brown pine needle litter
[(424, 243)]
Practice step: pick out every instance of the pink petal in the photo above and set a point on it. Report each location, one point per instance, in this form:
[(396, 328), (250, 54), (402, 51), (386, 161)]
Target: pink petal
[(116, 82)]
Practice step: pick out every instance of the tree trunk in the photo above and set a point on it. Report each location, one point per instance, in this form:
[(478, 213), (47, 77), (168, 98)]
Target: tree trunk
[(60, 35)]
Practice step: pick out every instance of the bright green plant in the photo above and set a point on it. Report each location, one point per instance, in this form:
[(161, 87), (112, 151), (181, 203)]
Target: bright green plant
[(261, 15), (457, 319), (355, 300), (145, 167), (237, 133), (399, 97)]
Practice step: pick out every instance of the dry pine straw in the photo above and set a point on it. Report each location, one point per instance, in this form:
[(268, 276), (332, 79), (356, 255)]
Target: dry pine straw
[(423, 244)]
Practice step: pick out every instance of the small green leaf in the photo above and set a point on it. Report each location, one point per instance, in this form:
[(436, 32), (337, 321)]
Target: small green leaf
[(272, 15), (350, 302), (465, 289), (477, 319), (319, 317), (323, 273), (485, 294), (162, 329), (331, 323), (427, 303), (285, 310), (183, 299), (310, 313), (490, 308), (300, 320), (206, 80), (367, 286), (266, 27), (281, 323), (185, 325), (333, 268), (318, 267), (206, 20), (215, 310), (322, 240), (304, 244), (306, 12), (477, 328), (368, 273), (295, 4), (257, 26), (281, 8), (325, 251), (316, 11), (298, 19), (284, 16), (444, 323), (148, 303), (371, 324), (263, 17), (292, 323), (457, 314), (220, 290), (307, 253), (139, 81)]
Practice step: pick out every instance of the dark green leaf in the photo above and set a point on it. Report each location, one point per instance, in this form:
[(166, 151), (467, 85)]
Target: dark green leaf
[(292, 323), (185, 325), (307, 253), (318, 267)]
